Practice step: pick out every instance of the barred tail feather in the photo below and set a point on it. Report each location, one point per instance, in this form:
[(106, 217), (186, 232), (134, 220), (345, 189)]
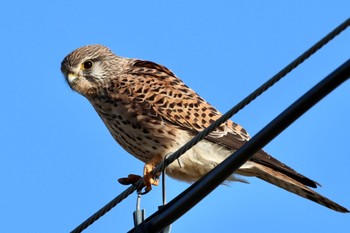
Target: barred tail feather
[(283, 181)]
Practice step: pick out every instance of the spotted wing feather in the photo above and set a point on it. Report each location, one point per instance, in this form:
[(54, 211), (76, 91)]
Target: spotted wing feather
[(188, 110)]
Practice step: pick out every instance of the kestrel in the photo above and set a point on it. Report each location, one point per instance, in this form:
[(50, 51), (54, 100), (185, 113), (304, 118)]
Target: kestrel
[(151, 113)]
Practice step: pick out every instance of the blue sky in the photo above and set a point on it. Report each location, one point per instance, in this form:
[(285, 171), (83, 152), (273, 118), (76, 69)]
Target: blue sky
[(59, 164)]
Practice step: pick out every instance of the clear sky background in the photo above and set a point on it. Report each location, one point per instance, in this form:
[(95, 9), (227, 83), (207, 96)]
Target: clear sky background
[(59, 164)]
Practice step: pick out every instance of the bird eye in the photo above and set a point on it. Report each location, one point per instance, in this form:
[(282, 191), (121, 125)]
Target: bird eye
[(87, 65)]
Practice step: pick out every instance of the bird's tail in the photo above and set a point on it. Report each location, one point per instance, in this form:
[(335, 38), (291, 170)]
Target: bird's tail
[(283, 181)]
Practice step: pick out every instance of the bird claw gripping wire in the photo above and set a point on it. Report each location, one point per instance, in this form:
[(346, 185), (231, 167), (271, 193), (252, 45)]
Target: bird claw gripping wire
[(133, 179)]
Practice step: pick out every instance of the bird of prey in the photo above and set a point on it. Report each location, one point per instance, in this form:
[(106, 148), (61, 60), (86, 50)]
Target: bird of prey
[(151, 113)]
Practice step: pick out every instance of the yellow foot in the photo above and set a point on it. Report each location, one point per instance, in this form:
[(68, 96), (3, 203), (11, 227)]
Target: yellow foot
[(148, 177)]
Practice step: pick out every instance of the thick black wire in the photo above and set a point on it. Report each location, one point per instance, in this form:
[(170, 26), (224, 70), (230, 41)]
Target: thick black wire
[(217, 123)]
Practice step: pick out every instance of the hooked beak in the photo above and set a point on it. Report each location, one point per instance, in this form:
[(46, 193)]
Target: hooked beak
[(71, 78)]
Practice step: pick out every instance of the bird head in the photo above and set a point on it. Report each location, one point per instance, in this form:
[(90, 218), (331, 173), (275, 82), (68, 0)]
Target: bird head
[(88, 67)]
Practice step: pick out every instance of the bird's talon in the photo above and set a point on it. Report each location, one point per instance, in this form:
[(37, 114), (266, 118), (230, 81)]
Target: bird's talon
[(132, 179)]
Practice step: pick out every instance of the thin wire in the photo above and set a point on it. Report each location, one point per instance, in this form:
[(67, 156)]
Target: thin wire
[(217, 123)]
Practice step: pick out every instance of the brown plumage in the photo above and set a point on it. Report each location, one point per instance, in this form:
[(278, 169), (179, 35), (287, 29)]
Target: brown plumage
[(151, 113)]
